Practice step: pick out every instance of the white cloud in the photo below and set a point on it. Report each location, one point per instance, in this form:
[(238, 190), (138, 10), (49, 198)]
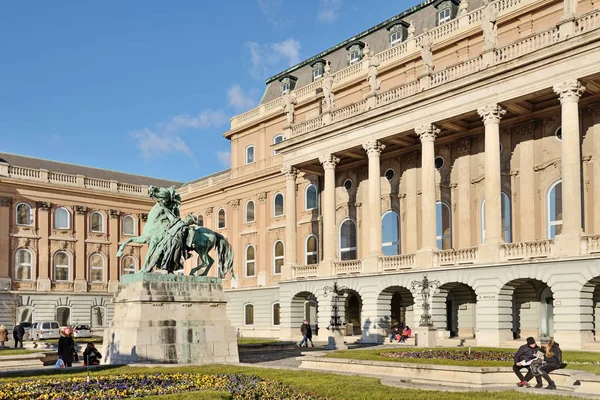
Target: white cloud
[(206, 119), (224, 157), (271, 9), (267, 57), (329, 10), (240, 99)]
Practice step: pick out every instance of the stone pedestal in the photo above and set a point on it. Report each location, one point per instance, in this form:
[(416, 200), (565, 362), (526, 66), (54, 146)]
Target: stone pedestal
[(425, 336), (335, 341), (169, 319)]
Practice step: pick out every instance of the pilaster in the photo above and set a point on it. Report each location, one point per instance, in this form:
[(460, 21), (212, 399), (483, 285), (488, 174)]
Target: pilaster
[(527, 201), (374, 149), (5, 208), (44, 256), (410, 211), (80, 283), (291, 225), (114, 235), (463, 167), (329, 162), (595, 111)]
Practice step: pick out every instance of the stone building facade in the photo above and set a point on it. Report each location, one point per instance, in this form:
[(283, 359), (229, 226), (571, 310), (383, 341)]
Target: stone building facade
[(458, 139)]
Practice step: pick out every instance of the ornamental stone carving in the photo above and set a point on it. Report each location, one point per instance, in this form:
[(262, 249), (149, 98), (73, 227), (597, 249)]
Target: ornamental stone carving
[(234, 203), (373, 63), (525, 130), (289, 102), (569, 91), (463, 146), (262, 197), (327, 86), (427, 133), (411, 30), (143, 217), (289, 171), (43, 205), (426, 53), (114, 213), (491, 114), (374, 148), (463, 8), (82, 210), (5, 201), (329, 161), (489, 19)]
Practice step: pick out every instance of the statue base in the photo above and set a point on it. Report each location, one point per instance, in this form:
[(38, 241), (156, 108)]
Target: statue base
[(335, 340), (169, 319)]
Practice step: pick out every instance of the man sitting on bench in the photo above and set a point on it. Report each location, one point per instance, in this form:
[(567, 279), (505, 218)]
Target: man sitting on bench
[(523, 359)]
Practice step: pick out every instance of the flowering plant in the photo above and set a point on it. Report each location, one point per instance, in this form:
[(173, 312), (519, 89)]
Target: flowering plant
[(452, 355)]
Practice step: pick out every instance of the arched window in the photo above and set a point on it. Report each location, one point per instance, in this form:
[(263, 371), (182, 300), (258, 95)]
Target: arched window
[(278, 205), (24, 215), (310, 195), (276, 314), (348, 240), (63, 316), (250, 154), (506, 219), (200, 220), (554, 210), (277, 139), (277, 257), (128, 225), (390, 233), (443, 226), (248, 314), (128, 265), (249, 211), (62, 218), (311, 250), (98, 317), (96, 268), (24, 314), (250, 261), (62, 266), (96, 222), (221, 219), (23, 265)]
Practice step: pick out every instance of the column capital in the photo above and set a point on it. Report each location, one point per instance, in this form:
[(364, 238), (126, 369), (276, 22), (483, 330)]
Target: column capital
[(82, 210), (143, 217), (491, 114), (262, 196), (329, 161), (569, 91), (235, 203), (525, 130), (463, 147), (43, 205), (427, 133), (208, 211), (114, 213), (595, 111), (373, 148), (289, 171), (5, 201)]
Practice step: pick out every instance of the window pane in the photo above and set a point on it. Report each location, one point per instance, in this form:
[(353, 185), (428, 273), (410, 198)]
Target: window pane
[(249, 155), (128, 225), (23, 214), (311, 259), (278, 204), (443, 226), (311, 197), (61, 219), (279, 249), (278, 139), (250, 253), (348, 234), (25, 314), (276, 314), (200, 220), (389, 227), (250, 211), (506, 218), (98, 317), (278, 265), (311, 245), (128, 266), (63, 316), (348, 255), (221, 218), (61, 259), (96, 222), (249, 314), (250, 269)]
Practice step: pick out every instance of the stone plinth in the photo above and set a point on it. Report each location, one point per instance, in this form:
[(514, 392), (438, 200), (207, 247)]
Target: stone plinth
[(169, 319), (336, 340), (425, 336)]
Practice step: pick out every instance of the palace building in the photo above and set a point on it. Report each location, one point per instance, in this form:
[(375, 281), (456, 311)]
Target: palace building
[(459, 139)]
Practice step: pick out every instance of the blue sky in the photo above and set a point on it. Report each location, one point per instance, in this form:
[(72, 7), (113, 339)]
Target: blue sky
[(146, 86)]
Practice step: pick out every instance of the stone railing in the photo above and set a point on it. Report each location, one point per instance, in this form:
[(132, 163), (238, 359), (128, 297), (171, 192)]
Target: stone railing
[(347, 267), (456, 256), (208, 182), (397, 263), (404, 50), (527, 250), (588, 22), (397, 93), (307, 126), (348, 111), (59, 178), (526, 45), (457, 71), (592, 244), (305, 271)]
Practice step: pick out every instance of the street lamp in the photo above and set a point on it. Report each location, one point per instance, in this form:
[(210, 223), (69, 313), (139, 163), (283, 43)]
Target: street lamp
[(336, 292), (427, 287)]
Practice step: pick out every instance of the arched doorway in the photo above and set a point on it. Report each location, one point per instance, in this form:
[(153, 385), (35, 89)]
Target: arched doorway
[(530, 304), (304, 307), (453, 310), (395, 305), (353, 309), (590, 295)]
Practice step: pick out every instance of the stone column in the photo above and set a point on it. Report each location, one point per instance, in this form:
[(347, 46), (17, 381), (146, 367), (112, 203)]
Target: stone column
[(410, 210), (374, 149), (80, 283), (44, 256), (489, 250), (526, 193), (329, 226), (291, 225), (569, 93), (427, 134), (463, 166), (595, 111), (113, 261), (5, 256)]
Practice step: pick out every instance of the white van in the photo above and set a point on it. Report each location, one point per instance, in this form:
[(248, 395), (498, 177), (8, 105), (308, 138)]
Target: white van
[(45, 330)]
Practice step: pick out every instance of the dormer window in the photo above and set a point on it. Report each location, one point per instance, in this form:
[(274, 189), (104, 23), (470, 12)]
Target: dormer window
[(444, 16), (355, 52), (288, 83), (446, 10), (398, 32), (318, 69)]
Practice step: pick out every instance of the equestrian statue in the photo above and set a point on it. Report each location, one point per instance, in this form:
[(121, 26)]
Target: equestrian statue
[(170, 239)]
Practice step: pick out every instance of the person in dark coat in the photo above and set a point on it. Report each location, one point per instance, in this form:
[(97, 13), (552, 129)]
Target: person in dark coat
[(552, 361), (396, 331), (523, 356), (91, 356), (306, 334), (66, 347), (18, 334)]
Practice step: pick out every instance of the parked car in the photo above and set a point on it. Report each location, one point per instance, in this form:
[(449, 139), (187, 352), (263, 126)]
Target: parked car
[(82, 331), (45, 330)]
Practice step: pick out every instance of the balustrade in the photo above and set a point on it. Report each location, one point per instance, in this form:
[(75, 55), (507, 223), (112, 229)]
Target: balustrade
[(397, 263), (305, 271), (456, 256), (588, 22), (347, 267), (527, 250)]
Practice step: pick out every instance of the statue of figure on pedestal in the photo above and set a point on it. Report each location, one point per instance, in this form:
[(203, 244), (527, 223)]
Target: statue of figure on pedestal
[(489, 26), (289, 101), (426, 53), (373, 63), (170, 239), (329, 97)]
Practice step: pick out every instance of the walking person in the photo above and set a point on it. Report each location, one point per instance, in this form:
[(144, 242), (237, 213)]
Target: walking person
[(3, 335), (66, 347), (552, 362), (18, 334), (523, 358), (306, 332)]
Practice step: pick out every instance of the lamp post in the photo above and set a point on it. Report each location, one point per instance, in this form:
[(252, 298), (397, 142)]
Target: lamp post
[(427, 287), (336, 340)]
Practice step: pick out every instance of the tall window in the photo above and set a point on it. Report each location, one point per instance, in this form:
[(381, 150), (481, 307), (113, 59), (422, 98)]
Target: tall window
[(128, 225), (96, 268), (250, 154), (128, 265), (443, 226), (62, 267), (554, 210), (248, 314), (444, 16), (62, 218), (249, 211), (63, 316), (23, 265), (311, 197), (221, 219), (24, 314), (390, 233), (96, 222), (200, 220), (348, 240), (506, 219), (24, 215), (276, 314), (277, 257), (311, 252), (277, 139), (250, 261), (278, 205), (98, 317)]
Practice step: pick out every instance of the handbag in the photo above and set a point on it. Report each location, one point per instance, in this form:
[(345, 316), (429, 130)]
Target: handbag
[(59, 363)]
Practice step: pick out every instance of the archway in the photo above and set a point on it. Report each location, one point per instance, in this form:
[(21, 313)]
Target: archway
[(590, 296), (305, 307), (352, 313), (453, 310), (395, 305)]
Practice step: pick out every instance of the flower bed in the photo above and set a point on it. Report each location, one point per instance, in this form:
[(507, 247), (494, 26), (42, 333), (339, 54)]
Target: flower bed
[(241, 387), (452, 355)]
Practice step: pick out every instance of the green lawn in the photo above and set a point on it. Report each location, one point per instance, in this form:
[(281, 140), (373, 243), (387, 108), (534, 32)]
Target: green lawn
[(12, 352), (339, 387), (247, 340)]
